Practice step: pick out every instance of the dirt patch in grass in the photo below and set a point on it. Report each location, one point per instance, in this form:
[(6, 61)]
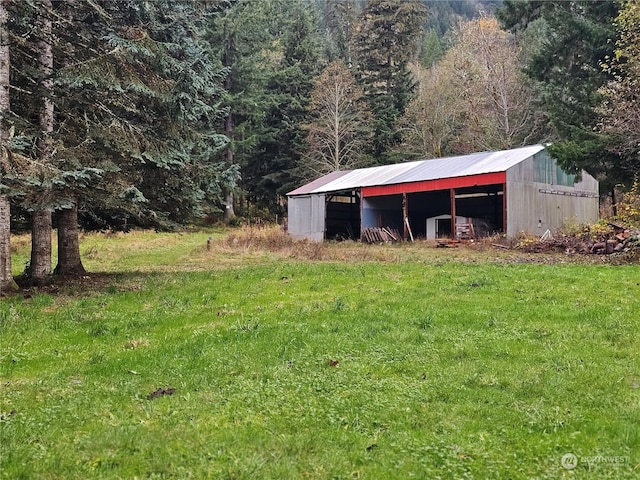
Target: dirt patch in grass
[(161, 392), (73, 285)]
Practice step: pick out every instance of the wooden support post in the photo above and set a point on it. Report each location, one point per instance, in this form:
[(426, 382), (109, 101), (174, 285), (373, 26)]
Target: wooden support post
[(405, 216), (361, 207), (452, 195)]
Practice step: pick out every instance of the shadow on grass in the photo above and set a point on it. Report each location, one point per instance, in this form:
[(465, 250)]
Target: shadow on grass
[(80, 285)]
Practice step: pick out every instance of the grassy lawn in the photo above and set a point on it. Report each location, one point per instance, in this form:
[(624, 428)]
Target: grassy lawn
[(258, 360)]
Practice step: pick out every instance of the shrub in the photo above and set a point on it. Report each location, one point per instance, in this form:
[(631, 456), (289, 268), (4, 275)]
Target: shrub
[(629, 207)]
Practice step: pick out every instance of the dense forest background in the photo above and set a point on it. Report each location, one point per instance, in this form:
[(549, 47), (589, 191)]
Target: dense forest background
[(129, 113)]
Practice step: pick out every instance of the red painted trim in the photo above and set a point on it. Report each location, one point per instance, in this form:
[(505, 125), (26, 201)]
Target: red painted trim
[(440, 184)]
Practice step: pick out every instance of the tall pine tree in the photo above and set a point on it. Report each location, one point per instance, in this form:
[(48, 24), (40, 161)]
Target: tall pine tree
[(40, 263), (567, 69), (158, 92), (389, 36), (241, 38), (137, 103), (621, 96), (6, 277), (272, 171), (340, 19)]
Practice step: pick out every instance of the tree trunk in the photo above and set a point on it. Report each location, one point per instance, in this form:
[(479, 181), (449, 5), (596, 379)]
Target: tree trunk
[(40, 265), (6, 279), (229, 212), (69, 261)]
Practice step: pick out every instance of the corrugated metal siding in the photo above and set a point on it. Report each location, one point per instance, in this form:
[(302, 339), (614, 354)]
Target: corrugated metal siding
[(588, 184), (530, 211), (534, 206), (306, 215)]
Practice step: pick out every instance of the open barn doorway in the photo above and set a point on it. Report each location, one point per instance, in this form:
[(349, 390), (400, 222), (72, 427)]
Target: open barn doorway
[(479, 207), (343, 216), (429, 212)]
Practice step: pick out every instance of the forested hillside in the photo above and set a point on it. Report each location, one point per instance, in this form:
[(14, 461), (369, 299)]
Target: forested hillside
[(132, 113)]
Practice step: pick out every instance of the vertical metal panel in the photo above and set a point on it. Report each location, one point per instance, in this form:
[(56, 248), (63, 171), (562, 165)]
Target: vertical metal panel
[(534, 212), (307, 217), (534, 207)]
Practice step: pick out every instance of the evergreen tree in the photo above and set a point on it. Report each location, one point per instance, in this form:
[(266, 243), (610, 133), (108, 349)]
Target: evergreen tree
[(445, 15), (340, 18), (40, 264), (273, 169), (30, 177), (621, 96), (568, 72), (137, 100), (389, 36), (158, 91), (432, 50), (6, 277), (241, 36)]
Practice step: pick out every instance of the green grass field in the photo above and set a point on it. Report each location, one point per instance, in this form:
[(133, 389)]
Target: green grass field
[(268, 359)]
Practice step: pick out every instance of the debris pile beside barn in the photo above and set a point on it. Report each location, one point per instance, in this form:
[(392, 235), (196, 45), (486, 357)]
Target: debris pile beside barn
[(617, 239)]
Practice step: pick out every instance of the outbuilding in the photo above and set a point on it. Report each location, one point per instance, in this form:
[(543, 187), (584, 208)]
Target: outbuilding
[(509, 192)]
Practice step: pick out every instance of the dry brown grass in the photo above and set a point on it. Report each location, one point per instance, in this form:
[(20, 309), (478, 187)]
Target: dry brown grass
[(270, 239), (20, 242), (246, 243)]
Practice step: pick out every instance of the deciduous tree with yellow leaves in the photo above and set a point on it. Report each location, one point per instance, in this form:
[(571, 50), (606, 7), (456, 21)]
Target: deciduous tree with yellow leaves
[(619, 111), (475, 98)]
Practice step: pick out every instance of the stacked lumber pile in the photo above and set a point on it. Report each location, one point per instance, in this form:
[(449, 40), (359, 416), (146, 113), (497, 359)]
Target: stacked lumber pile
[(380, 235), (447, 243)]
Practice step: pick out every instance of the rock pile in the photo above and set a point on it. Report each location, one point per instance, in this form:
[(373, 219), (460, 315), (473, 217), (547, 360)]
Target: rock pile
[(619, 239)]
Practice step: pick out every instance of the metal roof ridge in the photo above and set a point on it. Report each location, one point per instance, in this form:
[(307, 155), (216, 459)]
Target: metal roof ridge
[(466, 165)]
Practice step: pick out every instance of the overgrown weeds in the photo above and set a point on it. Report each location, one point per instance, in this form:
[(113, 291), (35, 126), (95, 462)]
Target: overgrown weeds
[(275, 240)]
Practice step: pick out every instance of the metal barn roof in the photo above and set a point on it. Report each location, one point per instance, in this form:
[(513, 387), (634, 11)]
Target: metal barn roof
[(318, 183), (418, 171)]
